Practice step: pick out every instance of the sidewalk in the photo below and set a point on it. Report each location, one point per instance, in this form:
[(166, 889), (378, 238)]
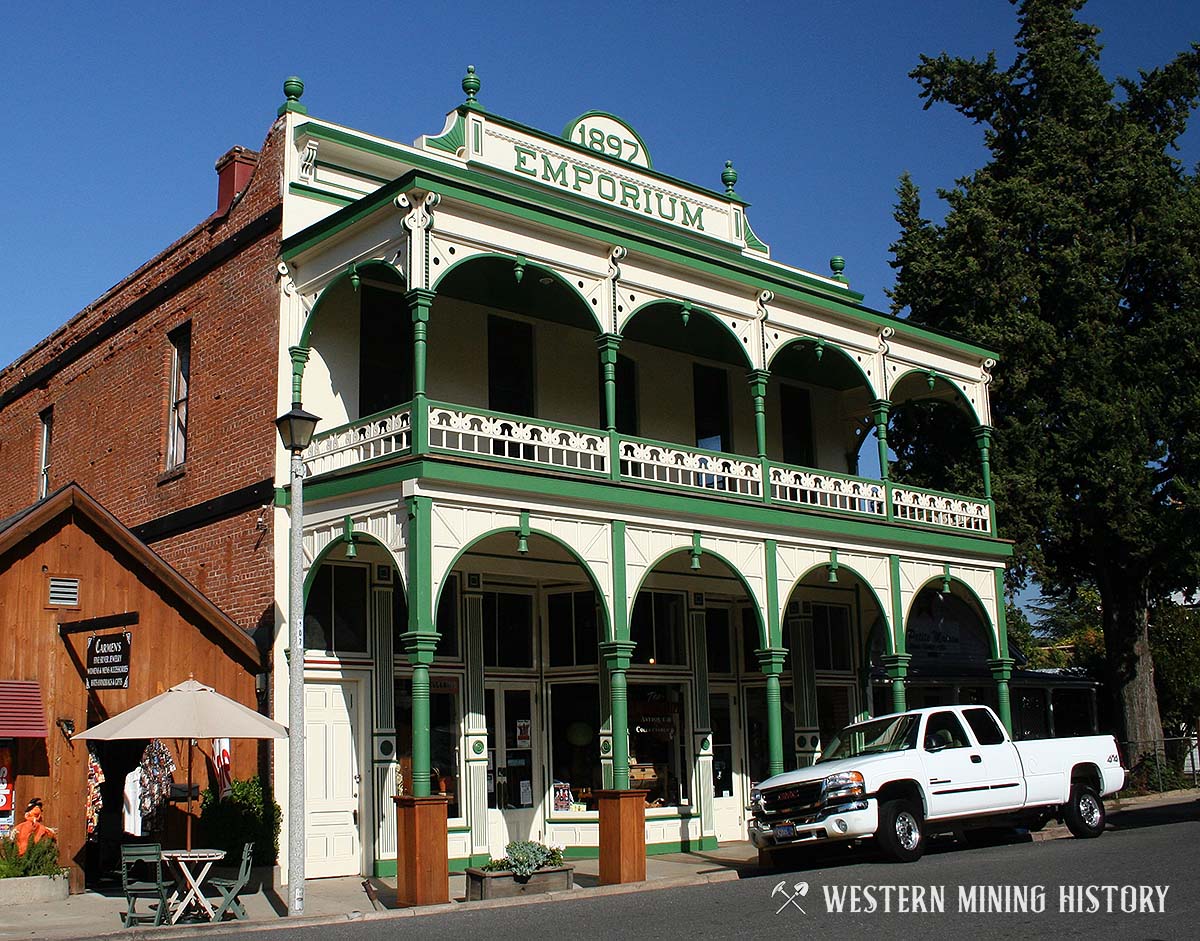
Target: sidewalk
[(95, 915)]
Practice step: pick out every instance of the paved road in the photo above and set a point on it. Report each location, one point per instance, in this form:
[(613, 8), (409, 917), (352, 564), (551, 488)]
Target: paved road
[(1157, 847)]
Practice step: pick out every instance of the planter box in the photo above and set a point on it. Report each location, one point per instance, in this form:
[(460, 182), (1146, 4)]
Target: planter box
[(34, 889), (504, 885)]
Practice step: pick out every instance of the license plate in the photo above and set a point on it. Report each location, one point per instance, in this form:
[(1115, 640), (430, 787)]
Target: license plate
[(785, 831)]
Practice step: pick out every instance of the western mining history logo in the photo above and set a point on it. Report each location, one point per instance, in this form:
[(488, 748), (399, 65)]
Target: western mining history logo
[(976, 899)]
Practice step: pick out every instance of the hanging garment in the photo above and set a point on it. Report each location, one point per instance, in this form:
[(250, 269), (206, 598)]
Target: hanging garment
[(221, 765), (95, 801), (157, 767), (131, 808)]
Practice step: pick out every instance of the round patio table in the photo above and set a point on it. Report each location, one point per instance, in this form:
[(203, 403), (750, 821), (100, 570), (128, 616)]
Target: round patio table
[(192, 868)]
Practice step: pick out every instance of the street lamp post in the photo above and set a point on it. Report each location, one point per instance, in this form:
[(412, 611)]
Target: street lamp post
[(296, 431)]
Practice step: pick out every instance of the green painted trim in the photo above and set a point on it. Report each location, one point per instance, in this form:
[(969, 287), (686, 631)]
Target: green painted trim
[(360, 267), (885, 615), (987, 618), (362, 174), (303, 189), (938, 379), (570, 128), (898, 644), (620, 619), (581, 852), (774, 636), (826, 345), (718, 509), (1001, 614), (452, 139), (753, 241), (692, 309), (564, 213), (384, 868), (462, 863)]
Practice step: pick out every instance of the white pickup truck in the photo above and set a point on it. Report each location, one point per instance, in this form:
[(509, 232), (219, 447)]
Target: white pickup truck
[(900, 778)]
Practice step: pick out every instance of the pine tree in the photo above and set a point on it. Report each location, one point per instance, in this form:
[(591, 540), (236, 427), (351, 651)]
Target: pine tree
[(1075, 253)]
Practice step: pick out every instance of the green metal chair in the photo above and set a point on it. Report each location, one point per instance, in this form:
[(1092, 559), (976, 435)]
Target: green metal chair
[(153, 889), (230, 889)]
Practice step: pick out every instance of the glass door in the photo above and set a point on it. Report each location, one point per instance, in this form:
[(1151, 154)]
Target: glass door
[(728, 779), (515, 781)]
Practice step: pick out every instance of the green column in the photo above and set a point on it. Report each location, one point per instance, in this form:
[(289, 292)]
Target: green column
[(608, 344), (419, 302), (896, 665), (299, 356), (421, 638), (771, 663), (616, 655), (879, 410), (757, 380), (1002, 672), (983, 438)]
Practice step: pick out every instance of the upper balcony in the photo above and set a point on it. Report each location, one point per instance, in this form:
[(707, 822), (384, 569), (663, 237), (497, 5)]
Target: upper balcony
[(504, 364)]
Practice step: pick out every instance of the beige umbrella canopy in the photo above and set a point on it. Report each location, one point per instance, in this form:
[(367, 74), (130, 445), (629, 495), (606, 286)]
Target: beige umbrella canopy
[(190, 710)]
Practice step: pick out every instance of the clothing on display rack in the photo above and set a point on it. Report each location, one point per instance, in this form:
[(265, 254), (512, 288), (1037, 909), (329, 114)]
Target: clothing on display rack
[(95, 777)]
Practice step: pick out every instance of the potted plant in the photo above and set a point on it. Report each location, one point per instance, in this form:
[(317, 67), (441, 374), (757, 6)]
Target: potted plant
[(32, 877), (528, 868)]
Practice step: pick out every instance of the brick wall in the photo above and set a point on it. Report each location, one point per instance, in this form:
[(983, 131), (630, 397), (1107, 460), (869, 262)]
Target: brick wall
[(111, 404)]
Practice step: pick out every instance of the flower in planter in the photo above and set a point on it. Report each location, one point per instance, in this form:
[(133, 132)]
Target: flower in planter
[(525, 857)]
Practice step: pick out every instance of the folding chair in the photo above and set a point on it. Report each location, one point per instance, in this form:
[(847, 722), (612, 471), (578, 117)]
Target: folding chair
[(230, 889), (150, 855)]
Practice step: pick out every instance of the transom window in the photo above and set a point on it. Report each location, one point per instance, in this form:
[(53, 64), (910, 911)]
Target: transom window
[(572, 626), (335, 617), (507, 630), (656, 626), (831, 638)]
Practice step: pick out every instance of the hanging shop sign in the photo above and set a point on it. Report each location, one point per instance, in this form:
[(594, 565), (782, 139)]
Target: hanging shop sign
[(108, 657)]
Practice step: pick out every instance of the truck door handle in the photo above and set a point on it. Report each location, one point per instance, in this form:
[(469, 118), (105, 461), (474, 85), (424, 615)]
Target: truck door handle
[(975, 759)]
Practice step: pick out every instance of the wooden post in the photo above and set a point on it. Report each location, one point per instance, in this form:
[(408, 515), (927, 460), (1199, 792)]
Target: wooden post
[(622, 836), (422, 859)]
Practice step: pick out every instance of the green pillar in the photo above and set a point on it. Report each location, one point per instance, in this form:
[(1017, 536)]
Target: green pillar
[(757, 380), (616, 655), (1001, 669), (608, 344), (983, 438), (299, 356), (896, 665), (419, 302), (421, 639), (879, 410), (771, 663)]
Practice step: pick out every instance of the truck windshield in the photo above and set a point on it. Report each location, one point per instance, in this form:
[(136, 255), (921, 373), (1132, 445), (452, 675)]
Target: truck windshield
[(895, 733)]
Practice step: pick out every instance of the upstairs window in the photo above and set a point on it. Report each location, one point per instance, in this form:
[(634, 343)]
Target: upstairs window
[(47, 423), (795, 415), (177, 421), (510, 366)]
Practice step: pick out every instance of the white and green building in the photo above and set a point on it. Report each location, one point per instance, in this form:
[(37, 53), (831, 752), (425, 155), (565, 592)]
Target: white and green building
[(583, 510)]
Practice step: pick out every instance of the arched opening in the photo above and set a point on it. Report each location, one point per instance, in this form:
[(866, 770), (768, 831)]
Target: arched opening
[(830, 619), (819, 410), (360, 346), (697, 369), (931, 436), (511, 336)]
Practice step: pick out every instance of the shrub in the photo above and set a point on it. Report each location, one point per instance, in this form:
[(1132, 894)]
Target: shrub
[(247, 814), (525, 857), (40, 859)]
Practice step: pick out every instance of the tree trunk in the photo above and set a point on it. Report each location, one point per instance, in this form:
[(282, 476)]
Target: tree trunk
[(1131, 668)]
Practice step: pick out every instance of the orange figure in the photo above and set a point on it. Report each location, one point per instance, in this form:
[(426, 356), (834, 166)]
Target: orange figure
[(32, 830)]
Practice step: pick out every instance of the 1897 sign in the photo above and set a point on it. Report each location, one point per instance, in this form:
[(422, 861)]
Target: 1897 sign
[(108, 661)]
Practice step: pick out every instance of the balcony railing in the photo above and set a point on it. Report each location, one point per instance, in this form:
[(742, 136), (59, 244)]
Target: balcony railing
[(512, 439), (826, 491), (689, 467), (379, 435)]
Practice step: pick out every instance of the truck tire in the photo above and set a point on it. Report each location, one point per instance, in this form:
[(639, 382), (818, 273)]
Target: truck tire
[(900, 835), (1084, 812)]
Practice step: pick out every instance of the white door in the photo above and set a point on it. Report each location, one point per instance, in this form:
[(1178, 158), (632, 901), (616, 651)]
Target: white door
[(958, 783), (332, 778), (728, 777), (515, 780)]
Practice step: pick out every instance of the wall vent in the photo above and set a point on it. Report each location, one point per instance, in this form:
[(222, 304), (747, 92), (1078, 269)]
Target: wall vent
[(64, 592)]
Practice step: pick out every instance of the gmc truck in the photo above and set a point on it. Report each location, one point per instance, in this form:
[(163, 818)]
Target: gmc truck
[(901, 778)]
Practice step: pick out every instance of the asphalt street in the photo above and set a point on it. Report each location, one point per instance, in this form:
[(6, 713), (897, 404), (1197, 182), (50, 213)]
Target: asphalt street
[(1157, 848)]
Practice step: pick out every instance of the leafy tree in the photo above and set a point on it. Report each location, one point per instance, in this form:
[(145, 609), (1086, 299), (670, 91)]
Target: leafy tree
[(1075, 254), (1175, 640)]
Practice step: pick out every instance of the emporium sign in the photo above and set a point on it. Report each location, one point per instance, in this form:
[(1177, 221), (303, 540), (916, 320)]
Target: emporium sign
[(608, 169), (108, 657)]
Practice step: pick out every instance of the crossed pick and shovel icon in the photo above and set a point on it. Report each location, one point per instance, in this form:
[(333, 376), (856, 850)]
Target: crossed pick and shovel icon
[(798, 890)]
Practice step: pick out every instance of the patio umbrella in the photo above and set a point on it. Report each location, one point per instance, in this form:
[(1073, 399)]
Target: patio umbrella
[(190, 710)]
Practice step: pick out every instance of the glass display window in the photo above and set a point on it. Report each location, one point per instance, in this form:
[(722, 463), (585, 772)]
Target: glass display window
[(575, 746), (659, 755), (757, 748), (445, 736)]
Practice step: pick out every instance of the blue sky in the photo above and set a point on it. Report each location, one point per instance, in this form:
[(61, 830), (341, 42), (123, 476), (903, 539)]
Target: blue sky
[(115, 113)]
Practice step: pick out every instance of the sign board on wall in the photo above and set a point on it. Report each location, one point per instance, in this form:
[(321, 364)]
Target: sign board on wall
[(7, 784), (108, 657)]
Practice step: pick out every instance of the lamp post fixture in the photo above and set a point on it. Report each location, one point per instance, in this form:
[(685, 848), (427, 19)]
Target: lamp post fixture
[(295, 431)]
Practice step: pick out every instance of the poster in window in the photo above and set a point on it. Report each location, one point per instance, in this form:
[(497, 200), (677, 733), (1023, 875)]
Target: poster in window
[(526, 793), (523, 733), (562, 795)]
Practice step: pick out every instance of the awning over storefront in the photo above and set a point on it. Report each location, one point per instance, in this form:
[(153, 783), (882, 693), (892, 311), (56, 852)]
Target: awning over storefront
[(22, 712)]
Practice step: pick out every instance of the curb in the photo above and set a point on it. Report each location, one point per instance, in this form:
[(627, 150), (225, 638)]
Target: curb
[(287, 924)]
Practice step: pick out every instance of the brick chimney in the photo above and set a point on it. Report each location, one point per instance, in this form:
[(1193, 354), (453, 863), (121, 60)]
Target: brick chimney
[(233, 173)]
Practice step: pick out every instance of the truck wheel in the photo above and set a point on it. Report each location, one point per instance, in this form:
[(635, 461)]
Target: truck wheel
[(900, 836), (1084, 812)]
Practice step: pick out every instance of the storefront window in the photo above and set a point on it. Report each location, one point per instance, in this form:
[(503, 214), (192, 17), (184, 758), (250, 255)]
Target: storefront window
[(444, 734), (507, 630), (656, 626), (335, 616), (757, 747), (831, 637), (574, 745), (720, 654), (833, 710), (658, 747), (447, 620), (572, 627)]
